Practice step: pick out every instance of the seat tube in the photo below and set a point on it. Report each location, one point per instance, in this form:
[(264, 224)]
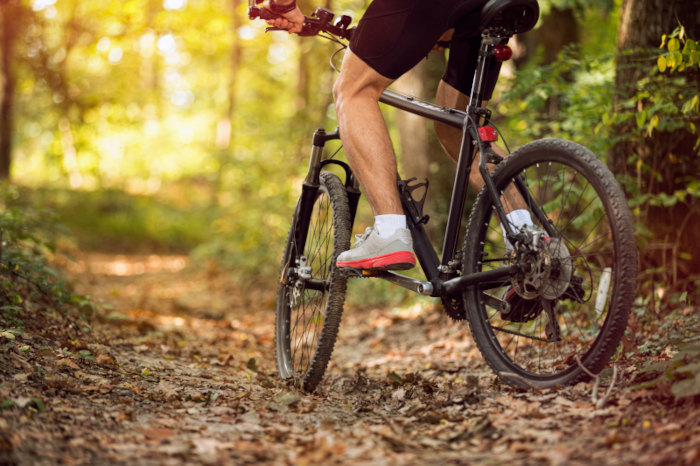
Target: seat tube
[(459, 194), (468, 148)]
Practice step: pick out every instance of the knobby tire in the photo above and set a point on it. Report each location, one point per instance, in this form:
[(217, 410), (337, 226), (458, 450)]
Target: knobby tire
[(589, 215), (310, 301)]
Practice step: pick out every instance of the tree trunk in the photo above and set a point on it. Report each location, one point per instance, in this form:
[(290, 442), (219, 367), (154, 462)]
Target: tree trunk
[(225, 128), (662, 162), (8, 32), (557, 30)]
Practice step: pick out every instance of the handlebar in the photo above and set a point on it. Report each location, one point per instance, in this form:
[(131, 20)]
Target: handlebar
[(320, 21)]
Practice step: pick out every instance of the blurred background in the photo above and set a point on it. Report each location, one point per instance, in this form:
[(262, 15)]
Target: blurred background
[(181, 127)]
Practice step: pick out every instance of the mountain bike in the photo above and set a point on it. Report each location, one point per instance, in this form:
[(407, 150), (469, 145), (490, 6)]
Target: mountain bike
[(549, 310)]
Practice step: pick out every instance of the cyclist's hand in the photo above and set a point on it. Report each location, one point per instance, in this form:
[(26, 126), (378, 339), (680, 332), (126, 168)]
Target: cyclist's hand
[(291, 21)]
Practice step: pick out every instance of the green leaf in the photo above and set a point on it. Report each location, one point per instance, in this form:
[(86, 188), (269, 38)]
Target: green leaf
[(641, 118), (653, 124), (692, 105), (671, 61), (674, 45), (7, 404), (38, 403), (661, 63), (394, 377), (695, 57), (677, 58)]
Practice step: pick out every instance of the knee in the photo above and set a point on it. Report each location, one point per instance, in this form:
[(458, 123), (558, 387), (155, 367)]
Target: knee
[(347, 89), (339, 92)]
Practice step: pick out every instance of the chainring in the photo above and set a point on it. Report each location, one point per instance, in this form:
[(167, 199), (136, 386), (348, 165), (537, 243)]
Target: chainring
[(454, 307)]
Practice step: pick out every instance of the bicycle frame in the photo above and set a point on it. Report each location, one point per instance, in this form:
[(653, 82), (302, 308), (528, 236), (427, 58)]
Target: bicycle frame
[(441, 273)]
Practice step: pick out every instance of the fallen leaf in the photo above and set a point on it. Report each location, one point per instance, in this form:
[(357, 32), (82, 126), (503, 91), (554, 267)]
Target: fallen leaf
[(156, 433), (167, 390)]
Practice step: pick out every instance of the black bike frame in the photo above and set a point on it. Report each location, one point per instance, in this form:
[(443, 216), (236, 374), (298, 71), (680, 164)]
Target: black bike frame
[(443, 279)]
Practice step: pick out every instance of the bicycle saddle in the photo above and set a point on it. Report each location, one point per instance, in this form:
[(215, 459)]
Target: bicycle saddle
[(509, 17)]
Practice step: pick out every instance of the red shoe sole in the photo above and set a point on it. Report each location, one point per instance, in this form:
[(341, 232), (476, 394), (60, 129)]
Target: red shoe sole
[(401, 260)]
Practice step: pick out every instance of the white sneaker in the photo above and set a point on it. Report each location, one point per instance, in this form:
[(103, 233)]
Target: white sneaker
[(371, 252)]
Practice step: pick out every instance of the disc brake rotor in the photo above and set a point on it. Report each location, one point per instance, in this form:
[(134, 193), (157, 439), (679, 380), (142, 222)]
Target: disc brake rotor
[(532, 284), (562, 269), (549, 268)]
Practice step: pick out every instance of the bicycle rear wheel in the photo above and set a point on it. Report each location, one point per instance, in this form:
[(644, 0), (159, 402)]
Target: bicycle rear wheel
[(570, 310), (311, 291)]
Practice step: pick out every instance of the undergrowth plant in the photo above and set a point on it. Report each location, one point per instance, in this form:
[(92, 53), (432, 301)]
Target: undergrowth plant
[(28, 282)]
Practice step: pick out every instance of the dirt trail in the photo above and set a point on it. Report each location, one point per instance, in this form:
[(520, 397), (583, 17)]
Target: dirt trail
[(179, 369)]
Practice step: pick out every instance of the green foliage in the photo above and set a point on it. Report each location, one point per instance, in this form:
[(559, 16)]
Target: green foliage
[(133, 97), (27, 280), (682, 372), (568, 98), (573, 98), (675, 59), (174, 220), (679, 53)]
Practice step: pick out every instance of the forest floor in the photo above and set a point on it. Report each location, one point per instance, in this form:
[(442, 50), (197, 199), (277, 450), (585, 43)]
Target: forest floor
[(177, 367)]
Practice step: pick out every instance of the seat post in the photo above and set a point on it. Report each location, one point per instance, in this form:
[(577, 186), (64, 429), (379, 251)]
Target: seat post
[(485, 61)]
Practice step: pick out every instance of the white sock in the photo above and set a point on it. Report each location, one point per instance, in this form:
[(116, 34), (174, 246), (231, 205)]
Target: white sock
[(517, 219), (386, 225)]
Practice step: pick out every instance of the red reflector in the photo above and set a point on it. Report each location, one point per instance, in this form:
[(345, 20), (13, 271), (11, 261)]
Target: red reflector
[(488, 134), (502, 52)]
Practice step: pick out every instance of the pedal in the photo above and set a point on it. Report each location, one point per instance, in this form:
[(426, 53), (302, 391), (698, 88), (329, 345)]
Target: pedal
[(349, 272)]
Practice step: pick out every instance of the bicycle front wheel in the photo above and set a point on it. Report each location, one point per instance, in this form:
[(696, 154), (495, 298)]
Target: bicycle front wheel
[(311, 291), (565, 314)]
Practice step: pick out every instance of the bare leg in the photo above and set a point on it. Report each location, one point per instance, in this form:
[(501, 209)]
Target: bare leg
[(364, 133), (451, 140)]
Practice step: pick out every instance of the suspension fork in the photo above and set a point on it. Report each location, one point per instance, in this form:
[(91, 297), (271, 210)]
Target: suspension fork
[(311, 184)]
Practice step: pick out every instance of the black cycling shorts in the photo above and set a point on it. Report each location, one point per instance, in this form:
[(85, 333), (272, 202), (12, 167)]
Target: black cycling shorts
[(394, 35)]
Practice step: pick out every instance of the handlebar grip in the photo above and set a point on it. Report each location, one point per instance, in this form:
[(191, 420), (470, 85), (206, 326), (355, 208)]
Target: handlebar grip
[(262, 13)]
